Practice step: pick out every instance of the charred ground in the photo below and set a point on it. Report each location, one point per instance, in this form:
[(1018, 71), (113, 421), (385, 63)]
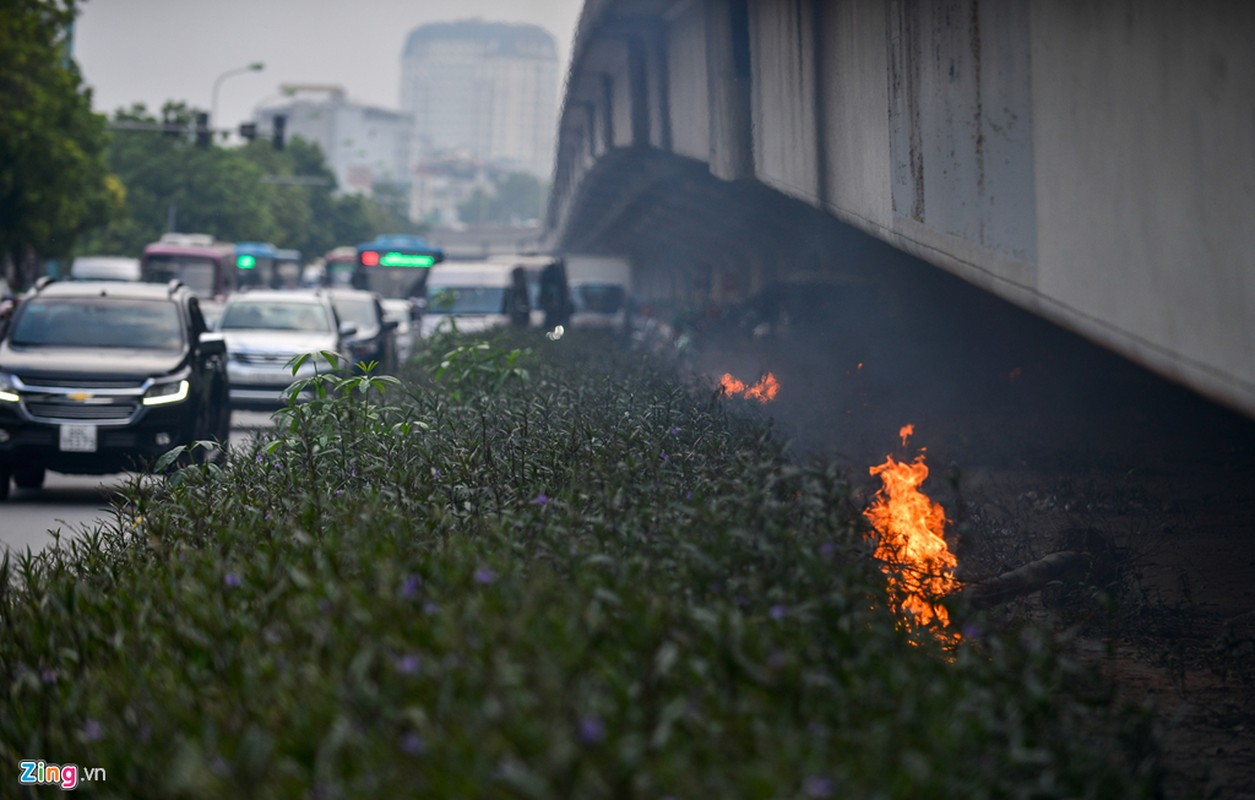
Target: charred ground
[(1039, 441)]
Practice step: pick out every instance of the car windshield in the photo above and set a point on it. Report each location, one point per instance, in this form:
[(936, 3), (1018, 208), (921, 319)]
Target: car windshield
[(358, 310), (598, 298), (340, 273), (197, 274), (276, 315), (466, 300), (395, 282), (99, 322)]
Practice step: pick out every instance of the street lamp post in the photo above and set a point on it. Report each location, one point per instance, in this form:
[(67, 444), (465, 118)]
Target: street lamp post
[(256, 66)]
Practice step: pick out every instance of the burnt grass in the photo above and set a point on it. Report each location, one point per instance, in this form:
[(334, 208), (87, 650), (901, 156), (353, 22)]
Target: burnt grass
[(535, 568), (1040, 442)]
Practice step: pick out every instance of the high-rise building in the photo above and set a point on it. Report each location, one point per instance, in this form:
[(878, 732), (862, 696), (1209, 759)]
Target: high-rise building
[(364, 145), (488, 89)]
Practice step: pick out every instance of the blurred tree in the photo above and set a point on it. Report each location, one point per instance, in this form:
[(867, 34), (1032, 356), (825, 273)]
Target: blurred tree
[(520, 197), (54, 184), (248, 193), (168, 180), (515, 198)]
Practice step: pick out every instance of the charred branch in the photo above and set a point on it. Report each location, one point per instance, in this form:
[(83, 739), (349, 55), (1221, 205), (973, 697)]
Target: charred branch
[(1065, 565)]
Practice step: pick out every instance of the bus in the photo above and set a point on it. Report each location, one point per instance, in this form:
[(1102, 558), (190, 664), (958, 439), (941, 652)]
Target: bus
[(339, 266), (395, 265), (204, 265), (256, 264), (288, 268)]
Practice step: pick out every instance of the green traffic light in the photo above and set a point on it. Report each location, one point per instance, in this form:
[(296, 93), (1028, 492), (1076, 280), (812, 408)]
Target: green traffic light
[(246, 262)]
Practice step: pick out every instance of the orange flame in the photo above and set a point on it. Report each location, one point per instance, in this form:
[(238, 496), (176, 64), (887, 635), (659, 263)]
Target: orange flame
[(911, 545), (906, 432), (764, 391)]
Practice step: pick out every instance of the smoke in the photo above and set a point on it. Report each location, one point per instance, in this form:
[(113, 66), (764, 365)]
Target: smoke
[(864, 338)]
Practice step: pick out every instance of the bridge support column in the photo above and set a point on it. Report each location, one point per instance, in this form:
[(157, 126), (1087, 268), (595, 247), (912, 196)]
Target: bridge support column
[(728, 70)]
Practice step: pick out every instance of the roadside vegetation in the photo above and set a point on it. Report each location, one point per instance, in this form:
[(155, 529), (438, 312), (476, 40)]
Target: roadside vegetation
[(525, 568)]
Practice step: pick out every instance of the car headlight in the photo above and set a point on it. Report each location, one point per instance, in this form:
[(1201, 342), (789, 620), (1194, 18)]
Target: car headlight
[(8, 389), (160, 394)]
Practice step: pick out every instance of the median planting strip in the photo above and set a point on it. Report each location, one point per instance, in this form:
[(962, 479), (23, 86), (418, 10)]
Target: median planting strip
[(529, 568)]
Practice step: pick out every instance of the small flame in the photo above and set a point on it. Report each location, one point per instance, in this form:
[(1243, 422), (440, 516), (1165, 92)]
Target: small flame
[(764, 391), (911, 544)]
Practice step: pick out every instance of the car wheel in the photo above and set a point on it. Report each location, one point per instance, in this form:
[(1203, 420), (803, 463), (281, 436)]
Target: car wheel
[(29, 477)]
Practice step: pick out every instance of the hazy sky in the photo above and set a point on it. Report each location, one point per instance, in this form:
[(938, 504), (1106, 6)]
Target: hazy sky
[(151, 51)]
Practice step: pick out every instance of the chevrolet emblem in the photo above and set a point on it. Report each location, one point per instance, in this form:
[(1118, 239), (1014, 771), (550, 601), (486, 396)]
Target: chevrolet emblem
[(79, 397)]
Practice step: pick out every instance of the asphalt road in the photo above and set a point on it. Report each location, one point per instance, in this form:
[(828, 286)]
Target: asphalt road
[(69, 504)]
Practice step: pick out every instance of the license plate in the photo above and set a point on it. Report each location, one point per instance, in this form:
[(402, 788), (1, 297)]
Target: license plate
[(78, 438)]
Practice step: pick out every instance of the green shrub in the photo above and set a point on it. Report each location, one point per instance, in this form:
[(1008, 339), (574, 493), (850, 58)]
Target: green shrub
[(530, 569)]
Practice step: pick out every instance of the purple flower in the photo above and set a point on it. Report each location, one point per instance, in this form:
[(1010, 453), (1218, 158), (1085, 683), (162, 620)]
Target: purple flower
[(91, 731), (675, 431), (827, 549), (436, 473), (664, 457), (818, 786), (48, 675), (592, 730), (431, 608), (541, 499), (407, 664), (413, 744), (485, 576), (411, 587), (231, 580), (339, 493), (778, 612)]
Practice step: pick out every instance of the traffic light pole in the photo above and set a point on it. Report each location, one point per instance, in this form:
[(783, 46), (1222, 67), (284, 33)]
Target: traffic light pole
[(205, 134)]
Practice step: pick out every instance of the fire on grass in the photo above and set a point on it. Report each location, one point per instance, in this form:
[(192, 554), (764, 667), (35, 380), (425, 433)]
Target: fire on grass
[(764, 391), (910, 543)]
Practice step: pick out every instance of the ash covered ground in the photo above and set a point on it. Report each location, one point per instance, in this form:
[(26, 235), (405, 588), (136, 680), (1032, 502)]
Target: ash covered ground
[(1039, 441)]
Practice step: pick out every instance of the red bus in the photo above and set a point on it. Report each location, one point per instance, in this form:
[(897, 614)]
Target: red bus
[(204, 265)]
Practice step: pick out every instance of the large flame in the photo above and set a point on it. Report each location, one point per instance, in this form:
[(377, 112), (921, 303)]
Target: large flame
[(764, 391), (911, 546)]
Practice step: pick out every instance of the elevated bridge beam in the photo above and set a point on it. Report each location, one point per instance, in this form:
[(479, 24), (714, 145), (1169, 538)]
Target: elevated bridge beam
[(1091, 162)]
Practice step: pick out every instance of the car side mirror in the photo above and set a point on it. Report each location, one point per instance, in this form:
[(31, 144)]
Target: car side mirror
[(390, 325), (213, 344), (348, 328)]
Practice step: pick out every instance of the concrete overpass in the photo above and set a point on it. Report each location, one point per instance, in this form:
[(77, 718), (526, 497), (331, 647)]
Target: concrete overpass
[(1091, 161)]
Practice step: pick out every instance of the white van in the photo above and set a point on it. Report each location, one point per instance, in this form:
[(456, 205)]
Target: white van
[(600, 288), (475, 296), (104, 268), (547, 289)]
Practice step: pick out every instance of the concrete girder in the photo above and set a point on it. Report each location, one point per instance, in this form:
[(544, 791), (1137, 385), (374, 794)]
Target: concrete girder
[(1088, 162)]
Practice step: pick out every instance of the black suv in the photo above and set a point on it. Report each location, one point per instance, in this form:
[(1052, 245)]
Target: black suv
[(376, 337), (101, 377)]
